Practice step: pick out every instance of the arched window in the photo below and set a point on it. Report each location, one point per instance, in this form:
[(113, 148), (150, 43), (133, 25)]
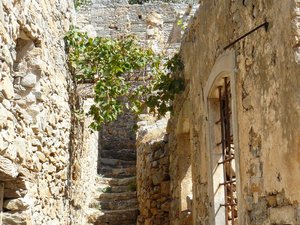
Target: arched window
[(221, 139)]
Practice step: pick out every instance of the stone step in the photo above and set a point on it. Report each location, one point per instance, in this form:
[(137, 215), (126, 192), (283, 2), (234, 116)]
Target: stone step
[(115, 181), (118, 217), (117, 224), (118, 142), (115, 196), (115, 204), (92, 215), (107, 171), (116, 189), (127, 222), (123, 154), (117, 163), (119, 189)]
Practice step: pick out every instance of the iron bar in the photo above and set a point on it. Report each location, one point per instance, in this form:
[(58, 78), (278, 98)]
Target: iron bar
[(223, 147), (218, 121), (228, 155), (232, 204), (228, 142), (265, 25), (228, 182), (227, 160)]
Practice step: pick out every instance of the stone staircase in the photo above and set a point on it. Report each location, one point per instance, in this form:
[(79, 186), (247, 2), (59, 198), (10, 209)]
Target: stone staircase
[(115, 198)]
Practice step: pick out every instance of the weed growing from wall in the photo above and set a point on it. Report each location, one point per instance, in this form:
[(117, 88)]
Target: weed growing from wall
[(78, 3)]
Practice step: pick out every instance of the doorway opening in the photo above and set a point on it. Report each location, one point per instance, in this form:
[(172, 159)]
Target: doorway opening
[(222, 142)]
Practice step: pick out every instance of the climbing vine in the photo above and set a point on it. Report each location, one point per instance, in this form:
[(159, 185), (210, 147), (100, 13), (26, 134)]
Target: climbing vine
[(116, 66)]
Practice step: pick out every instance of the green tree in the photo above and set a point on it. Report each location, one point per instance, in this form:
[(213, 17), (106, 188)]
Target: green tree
[(112, 65)]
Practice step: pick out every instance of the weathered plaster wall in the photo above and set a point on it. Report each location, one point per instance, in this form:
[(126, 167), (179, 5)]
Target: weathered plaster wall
[(35, 117), (267, 103)]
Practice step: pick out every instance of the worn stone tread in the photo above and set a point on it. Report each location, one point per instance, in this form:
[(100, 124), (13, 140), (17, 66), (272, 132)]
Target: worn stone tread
[(117, 163), (118, 196), (107, 171), (122, 154), (115, 181), (118, 217), (115, 189), (115, 205), (131, 210)]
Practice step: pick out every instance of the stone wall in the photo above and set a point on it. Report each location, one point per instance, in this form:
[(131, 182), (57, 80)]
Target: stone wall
[(83, 162), (116, 18), (35, 116), (180, 161), (156, 25), (263, 68), (153, 180)]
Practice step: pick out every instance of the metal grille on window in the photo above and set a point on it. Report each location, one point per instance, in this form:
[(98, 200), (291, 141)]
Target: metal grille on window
[(228, 154)]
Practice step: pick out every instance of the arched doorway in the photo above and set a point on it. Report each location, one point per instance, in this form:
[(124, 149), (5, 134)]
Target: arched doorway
[(222, 142)]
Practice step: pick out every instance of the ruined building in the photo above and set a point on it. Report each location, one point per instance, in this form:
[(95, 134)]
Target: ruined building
[(228, 154), (235, 133)]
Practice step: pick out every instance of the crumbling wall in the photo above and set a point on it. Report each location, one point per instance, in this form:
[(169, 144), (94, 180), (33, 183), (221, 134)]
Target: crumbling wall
[(180, 162), (153, 180), (146, 21), (83, 159), (267, 105), (157, 25), (35, 117)]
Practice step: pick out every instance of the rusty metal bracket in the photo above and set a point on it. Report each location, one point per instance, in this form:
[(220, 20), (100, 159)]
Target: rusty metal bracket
[(265, 25)]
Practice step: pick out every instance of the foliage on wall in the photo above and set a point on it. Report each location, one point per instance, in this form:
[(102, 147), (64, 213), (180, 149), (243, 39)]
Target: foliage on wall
[(78, 3), (116, 67)]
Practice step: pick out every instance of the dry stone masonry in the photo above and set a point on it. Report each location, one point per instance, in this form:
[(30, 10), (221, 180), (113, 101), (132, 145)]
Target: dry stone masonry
[(53, 171), (153, 180), (115, 201), (158, 21), (35, 117)]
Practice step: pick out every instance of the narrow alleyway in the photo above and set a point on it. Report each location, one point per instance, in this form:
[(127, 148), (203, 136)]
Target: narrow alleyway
[(115, 194)]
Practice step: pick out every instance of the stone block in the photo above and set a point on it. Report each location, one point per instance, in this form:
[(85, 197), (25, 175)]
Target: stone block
[(30, 98), (258, 214), (166, 206), (157, 178), (7, 88), (165, 187), (29, 80), (10, 152), (14, 219), (298, 213), (7, 168), (282, 215), (7, 104), (271, 200), (15, 204), (3, 144), (20, 147), (41, 156), (49, 168)]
